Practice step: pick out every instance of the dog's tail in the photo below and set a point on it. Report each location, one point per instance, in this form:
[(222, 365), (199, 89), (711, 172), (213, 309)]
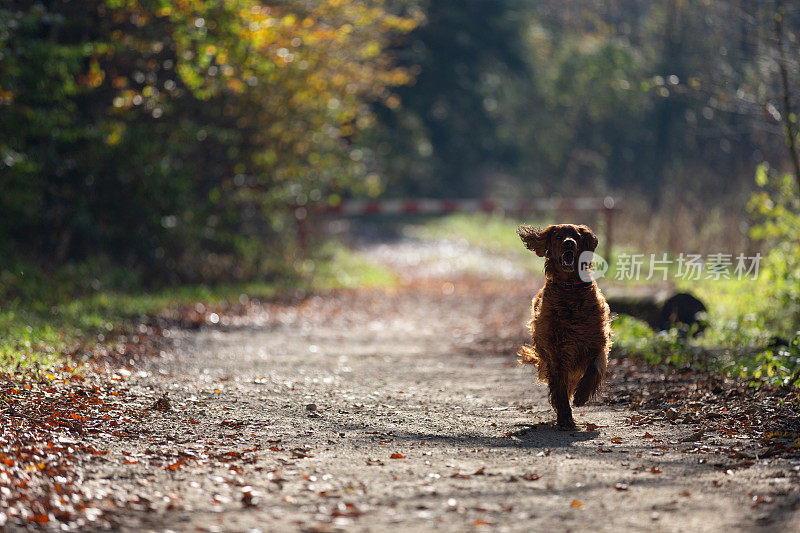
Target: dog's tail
[(527, 355), (588, 385)]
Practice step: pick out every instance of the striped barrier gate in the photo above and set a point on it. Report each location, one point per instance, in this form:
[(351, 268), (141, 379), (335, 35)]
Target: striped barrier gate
[(425, 206)]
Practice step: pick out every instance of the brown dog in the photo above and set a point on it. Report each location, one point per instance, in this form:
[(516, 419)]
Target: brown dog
[(570, 326)]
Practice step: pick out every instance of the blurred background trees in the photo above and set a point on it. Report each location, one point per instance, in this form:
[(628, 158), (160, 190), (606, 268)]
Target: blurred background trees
[(675, 103), (169, 136)]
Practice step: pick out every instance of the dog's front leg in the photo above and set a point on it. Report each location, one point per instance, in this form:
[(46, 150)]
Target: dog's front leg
[(559, 399)]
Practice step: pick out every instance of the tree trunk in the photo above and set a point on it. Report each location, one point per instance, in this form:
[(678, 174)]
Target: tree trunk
[(790, 126)]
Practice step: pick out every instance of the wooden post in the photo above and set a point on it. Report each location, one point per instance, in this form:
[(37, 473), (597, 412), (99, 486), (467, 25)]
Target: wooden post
[(608, 213), (301, 217)]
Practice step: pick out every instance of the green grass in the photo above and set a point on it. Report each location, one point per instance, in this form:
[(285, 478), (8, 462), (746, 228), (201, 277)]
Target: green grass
[(740, 319), (491, 232), (494, 233), (43, 316), (742, 338), (498, 234), (36, 334), (341, 267)]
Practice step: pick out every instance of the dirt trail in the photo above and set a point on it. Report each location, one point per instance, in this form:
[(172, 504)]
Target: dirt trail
[(402, 410)]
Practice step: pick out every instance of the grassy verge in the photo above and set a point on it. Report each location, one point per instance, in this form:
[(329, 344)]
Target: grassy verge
[(339, 267), (743, 337), (740, 339), (498, 234), (49, 316), (491, 232), (36, 334)]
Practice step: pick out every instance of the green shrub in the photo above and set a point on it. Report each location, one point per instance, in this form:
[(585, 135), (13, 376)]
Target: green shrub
[(777, 208), (634, 337)]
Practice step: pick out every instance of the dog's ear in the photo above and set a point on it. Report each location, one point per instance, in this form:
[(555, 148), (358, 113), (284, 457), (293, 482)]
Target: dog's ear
[(536, 240), (589, 238)]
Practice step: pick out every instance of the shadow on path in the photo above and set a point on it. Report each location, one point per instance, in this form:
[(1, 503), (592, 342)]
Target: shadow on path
[(542, 435)]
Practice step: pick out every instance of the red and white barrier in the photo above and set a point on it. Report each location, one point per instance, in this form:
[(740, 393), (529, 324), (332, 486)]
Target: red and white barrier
[(436, 207), (424, 206)]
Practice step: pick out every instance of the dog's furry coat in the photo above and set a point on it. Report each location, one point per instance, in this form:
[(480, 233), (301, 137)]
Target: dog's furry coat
[(570, 327)]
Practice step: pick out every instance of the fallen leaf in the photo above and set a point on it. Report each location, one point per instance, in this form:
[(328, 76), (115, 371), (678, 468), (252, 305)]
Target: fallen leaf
[(397, 456), (162, 404), (174, 466), (39, 518), (347, 509), (576, 503)]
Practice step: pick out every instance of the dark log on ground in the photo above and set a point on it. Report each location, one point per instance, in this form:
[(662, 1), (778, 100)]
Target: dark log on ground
[(662, 309)]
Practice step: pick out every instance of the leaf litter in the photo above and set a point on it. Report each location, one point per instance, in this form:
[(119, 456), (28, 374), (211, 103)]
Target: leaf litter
[(52, 423)]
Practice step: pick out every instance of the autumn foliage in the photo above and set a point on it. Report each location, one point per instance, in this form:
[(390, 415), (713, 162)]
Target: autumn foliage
[(167, 134)]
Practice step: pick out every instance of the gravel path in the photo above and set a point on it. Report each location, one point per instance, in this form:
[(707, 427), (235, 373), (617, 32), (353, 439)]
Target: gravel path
[(396, 411)]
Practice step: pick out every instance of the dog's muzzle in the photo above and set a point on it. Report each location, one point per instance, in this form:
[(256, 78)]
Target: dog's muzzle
[(568, 257)]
